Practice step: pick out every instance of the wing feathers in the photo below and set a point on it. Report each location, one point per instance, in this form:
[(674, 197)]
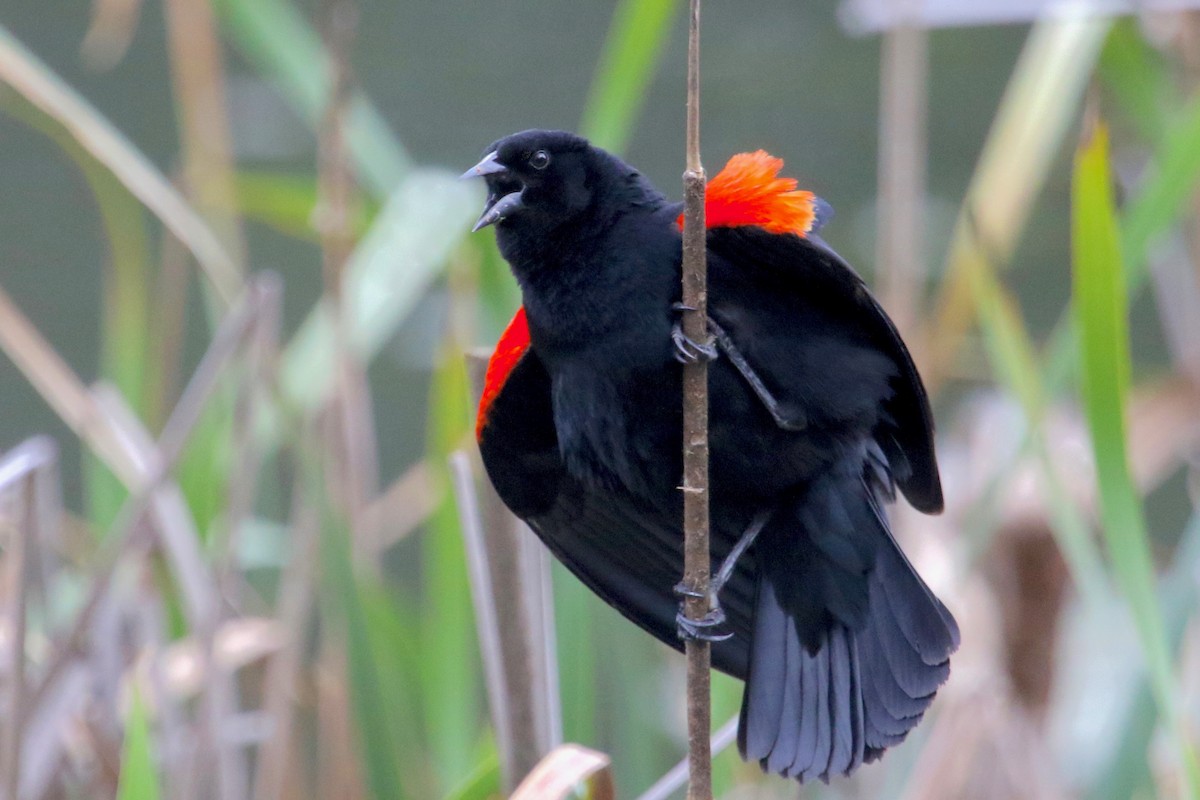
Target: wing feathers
[(856, 689)]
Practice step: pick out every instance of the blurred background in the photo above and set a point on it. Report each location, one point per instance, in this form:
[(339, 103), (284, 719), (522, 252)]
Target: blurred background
[(237, 551)]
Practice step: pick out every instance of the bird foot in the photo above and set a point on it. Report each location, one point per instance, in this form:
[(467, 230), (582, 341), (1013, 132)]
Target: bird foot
[(687, 349), (708, 628)]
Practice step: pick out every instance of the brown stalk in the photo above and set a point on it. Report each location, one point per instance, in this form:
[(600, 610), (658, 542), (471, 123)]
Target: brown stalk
[(29, 469), (127, 531), (899, 256), (510, 576), (21, 538), (261, 350), (151, 625), (497, 666), (168, 317), (340, 773), (695, 432), (295, 605), (220, 696), (111, 31), (44, 758), (59, 386), (199, 82), (1187, 45), (36, 83), (347, 420), (399, 509)]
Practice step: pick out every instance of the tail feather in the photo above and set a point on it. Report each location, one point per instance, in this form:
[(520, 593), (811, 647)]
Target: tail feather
[(882, 729), (792, 738), (840, 670), (893, 698), (844, 702), (934, 636), (767, 681), (858, 711), (810, 723), (912, 673), (883, 719), (817, 762)]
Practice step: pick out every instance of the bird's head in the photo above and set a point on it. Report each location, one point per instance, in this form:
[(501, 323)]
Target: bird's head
[(536, 180)]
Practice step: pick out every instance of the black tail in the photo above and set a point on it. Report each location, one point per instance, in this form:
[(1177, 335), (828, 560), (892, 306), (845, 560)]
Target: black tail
[(849, 646)]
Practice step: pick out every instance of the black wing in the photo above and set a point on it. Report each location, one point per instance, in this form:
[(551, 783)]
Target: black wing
[(628, 554), (796, 309)]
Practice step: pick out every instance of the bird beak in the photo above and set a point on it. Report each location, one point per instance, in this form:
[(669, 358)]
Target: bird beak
[(498, 205), (497, 209), (487, 166)]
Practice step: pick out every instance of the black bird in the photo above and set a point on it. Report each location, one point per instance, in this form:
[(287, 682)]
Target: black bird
[(817, 414)]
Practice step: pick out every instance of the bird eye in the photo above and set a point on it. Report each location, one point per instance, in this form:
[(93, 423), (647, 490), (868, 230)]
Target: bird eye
[(539, 160)]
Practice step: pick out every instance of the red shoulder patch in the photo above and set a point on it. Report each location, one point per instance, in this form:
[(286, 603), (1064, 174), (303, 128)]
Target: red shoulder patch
[(512, 345), (749, 191)]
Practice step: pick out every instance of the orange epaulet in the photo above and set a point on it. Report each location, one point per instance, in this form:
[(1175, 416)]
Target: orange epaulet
[(749, 191), (512, 345)]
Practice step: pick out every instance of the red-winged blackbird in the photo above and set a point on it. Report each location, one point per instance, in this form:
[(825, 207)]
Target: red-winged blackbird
[(816, 415)]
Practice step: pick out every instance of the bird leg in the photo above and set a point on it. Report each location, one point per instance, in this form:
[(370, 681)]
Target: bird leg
[(791, 419), (707, 627), (687, 350)]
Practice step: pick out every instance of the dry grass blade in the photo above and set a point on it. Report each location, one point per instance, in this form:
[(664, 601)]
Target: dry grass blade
[(347, 422), (340, 772), (29, 481), (565, 767), (48, 729), (176, 529), (151, 671), (16, 559), (538, 589), (1037, 110), (262, 299), (199, 80), (1164, 428), (519, 572), (1176, 285), (114, 433), (248, 418), (33, 458), (495, 668), (57, 384), (899, 253), (123, 540), (864, 17), (146, 486), (295, 607), (1164, 421), (399, 510), (41, 87), (174, 525), (182, 545), (113, 25), (237, 643)]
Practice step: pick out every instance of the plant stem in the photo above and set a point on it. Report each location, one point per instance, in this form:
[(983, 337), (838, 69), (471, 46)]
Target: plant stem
[(695, 431)]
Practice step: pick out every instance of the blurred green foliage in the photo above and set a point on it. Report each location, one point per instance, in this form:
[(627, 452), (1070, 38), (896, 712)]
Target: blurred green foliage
[(393, 631)]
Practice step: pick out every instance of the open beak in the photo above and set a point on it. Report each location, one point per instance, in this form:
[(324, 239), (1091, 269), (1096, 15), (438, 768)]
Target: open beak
[(500, 203), (487, 166)]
